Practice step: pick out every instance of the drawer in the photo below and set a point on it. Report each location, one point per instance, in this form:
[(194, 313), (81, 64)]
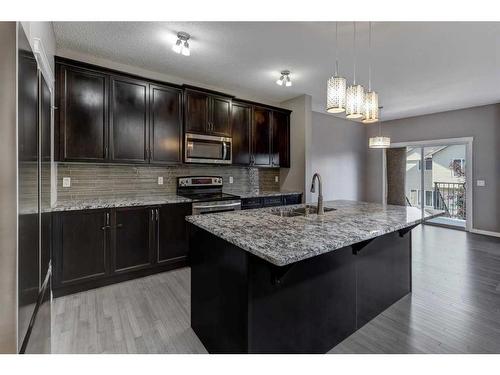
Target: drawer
[(272, 201)]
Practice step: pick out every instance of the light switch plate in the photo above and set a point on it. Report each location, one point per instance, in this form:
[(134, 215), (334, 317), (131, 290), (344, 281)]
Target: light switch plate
[(231, 179), (66, 181), (160, 180), (481, 183), (276, 179)]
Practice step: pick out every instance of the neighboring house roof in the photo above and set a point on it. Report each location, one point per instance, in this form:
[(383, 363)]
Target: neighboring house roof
[(431, 150)]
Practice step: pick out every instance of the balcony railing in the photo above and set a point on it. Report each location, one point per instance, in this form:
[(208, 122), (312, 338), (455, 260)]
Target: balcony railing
[(450, 197)]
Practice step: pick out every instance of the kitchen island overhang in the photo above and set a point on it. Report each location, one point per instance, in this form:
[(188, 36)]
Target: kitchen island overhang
[(270, 297)]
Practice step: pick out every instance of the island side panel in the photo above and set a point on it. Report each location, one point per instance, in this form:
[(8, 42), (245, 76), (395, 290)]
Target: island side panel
[(218, 292), (383, 274), (307, 307)]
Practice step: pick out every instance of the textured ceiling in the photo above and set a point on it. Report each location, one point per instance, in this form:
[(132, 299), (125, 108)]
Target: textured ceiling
[(418, 68)]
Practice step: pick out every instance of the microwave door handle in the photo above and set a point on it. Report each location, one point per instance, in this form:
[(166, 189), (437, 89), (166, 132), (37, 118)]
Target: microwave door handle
[(224, 150)]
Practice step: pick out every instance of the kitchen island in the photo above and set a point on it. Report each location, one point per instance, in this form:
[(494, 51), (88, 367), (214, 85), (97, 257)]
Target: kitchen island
[(279, 280)]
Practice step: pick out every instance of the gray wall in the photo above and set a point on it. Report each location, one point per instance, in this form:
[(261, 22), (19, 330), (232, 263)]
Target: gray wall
[(482, 123), (338, 153)]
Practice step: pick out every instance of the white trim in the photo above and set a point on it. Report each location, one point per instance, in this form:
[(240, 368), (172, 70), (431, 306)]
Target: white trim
[(469, 178), (43, 62), (485, 232)]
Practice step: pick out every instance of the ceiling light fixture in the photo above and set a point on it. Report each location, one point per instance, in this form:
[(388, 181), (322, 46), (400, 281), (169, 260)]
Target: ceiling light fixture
[(371, 97), (284, 79), (336, 85), (355, 94), (379, 141), (181, 46)]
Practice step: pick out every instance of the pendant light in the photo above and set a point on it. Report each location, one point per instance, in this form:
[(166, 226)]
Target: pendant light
[(379, 141), (371, 97), (336, 85), (355, 95)]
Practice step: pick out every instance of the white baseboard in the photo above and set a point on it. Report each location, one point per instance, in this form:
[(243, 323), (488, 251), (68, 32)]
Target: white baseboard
[(485, 232)]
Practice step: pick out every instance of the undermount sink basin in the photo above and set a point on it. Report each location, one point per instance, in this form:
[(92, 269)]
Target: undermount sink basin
[(301, 211)]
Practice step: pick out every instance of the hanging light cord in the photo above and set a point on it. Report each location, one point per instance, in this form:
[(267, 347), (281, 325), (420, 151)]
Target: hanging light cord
[(336, 49), (370, 56), (354, 49)]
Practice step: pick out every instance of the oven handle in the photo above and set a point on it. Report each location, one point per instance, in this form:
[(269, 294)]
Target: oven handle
[(219, 206)]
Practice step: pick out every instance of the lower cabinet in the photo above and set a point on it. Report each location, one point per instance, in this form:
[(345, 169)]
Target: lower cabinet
[(98, 247)]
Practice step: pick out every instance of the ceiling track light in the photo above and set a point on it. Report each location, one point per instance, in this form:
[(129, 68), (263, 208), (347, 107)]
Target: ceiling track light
[(336, 85), (355, 94), (284, 79), (370, 110), (181, 46)]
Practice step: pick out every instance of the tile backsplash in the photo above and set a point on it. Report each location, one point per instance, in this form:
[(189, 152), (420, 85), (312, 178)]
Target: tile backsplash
[(89, 180)]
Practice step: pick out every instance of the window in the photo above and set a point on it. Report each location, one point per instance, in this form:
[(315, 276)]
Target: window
[(429, 198), (428, 164), (458, 167), (413, 197)]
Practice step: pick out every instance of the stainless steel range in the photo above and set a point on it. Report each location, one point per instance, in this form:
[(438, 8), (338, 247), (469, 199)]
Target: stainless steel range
[(206, 194)]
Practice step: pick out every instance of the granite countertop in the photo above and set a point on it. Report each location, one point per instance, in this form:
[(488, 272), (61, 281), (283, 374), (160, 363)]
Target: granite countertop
[(286, 240), (261, 193), (85, 204)]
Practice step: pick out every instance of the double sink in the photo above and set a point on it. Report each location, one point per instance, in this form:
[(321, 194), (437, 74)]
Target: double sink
[(301, 211)]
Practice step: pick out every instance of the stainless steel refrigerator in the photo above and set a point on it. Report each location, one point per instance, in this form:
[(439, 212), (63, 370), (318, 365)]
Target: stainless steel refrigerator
[(34, 222)]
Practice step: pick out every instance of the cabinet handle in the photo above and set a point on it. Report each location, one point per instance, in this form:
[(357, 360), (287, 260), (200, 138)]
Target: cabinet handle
[(152, 215), (107, 218), (157, 214)]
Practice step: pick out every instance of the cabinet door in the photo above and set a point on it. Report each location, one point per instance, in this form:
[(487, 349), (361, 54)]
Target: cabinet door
[(220, 116), (261, 136), (196, 106), (132, 228), (172, 237), (281, 140), (241, 116), (129, 120), (83, 114), (165, 124), (382, 275), (28, 110), (81, 243)]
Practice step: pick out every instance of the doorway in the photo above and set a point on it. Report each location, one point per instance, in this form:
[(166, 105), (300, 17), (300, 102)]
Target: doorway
[(438, 177)]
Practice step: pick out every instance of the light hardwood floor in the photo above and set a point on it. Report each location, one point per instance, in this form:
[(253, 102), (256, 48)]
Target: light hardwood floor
[(454, 307)]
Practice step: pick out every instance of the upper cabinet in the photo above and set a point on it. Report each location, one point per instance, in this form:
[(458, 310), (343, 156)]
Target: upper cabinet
[(165, 118), (129, 120), (83, 114), (207, 113), (106, 116)]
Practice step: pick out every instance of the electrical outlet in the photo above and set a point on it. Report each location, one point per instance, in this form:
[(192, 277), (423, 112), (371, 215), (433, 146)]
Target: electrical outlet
[(481, 183), (276, 179), (231, 179), (66, 181), (160, 180)]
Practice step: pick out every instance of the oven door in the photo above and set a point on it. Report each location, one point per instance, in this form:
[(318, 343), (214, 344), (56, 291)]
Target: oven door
[(207, 149), (200, 208)]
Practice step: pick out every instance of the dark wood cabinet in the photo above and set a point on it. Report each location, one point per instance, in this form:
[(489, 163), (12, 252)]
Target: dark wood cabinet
[(206, 113), (171, 233), (97, 247), (280, 139), (81, 241), (83, 114), (129, 120), (241, 125), (292, 199), (274, 200), (165, 124), (261, 137), (383, 274), (28, 108), (132, 240)]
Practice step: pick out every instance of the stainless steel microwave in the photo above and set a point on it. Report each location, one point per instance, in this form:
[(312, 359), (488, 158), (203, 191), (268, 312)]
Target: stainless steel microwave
[(207, 149)]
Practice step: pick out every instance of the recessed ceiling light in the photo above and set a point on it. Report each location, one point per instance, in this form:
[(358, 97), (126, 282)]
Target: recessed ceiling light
[(284, 79), (181, 46)]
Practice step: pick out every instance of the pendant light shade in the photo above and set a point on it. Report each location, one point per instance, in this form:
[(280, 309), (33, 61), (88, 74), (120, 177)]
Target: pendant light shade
[(336, 94), (355, 95), (379, 142), (370, 107), (336, 85), (355, 100)]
